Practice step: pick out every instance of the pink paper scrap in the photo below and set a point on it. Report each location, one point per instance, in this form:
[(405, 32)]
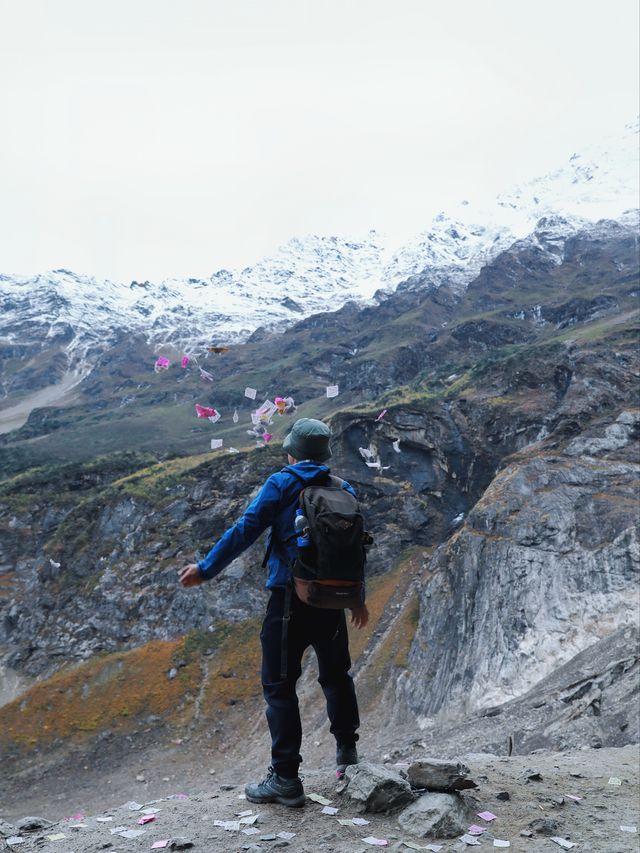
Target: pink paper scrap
[(204, 375), (205, 411), (266, 437), (381, 415), (146, 819), (75, 817), (159, 845), (487, 816), (162, 363), (185, 361), (474, 829)]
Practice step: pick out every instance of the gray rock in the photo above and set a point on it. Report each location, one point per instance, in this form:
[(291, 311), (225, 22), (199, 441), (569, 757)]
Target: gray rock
[(181, 844), (32, 824), (435, 815), (503, 795), (437, 775), (544, 825), (376, 788), (531, 775), (6, 829)]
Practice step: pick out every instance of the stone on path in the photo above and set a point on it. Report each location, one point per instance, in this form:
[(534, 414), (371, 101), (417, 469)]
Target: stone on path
[(32, 824), (181, 844), (437, 775), (377, 789), (544, 825), (437, 815)]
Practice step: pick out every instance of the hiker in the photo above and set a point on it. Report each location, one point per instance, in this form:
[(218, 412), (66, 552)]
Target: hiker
[(285, 640)]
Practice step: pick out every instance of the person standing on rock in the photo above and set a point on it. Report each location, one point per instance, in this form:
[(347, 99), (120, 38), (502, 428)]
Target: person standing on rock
[(284, 640)]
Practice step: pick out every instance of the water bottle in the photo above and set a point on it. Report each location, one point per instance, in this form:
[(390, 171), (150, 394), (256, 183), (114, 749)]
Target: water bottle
[(302, 529)]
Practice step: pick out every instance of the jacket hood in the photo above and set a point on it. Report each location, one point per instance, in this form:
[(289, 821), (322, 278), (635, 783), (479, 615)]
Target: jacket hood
[(307, 469)]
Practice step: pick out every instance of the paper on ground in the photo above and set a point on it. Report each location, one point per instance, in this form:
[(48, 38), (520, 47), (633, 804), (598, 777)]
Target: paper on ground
[(79, 826), (360, 821), (330, 810), (562, 842), (250, 830), (132, 833), (629, 828), (216, 443), (319, 799), (377, 842), (146, 819), (233, 450), (133, 806), (248, 820), (487, 816), (159, 845), (245, 813), (614, 781), (498, 843), (286, 836), (104, 819), (573, 797), (474, 829), (117, 829), (413, 846), (57, 837), (333, 391), (470, 840), (152, 810), (15, 839)]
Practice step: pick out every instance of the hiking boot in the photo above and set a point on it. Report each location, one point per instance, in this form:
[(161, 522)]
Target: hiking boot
[(276, 789), (345, 755)]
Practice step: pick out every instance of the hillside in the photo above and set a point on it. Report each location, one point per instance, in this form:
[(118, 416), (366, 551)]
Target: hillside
[(504, 575)]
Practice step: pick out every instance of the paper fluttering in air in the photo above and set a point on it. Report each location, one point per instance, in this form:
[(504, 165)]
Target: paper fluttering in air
[(205, 411), (250, 393), (162, 363), (216, 443), (184, 362), (206, 376), (332, 391)]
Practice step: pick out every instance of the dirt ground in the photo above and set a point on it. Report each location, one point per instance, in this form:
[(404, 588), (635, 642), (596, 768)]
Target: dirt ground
[(592, 823)]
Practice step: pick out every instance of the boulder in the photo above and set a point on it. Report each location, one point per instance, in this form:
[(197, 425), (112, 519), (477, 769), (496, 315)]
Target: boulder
[(437, 775), (32, 824), (376, 788), (435, 815)]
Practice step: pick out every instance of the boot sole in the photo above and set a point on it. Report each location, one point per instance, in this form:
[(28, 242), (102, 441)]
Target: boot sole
[(291, 802)]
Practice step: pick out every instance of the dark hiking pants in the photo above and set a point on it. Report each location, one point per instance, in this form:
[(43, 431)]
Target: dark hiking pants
[(326, 632)]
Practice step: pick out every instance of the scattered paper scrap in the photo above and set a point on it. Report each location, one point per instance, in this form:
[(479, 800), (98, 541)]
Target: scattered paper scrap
[(236, 416), (487, 816), (330, 810), (162, 363), (245, 813), (286, 836), (470, 840), (78, 816), (117, 829), (497, 842), (247, 820), (333, 391), (474, 829), (233, 450), (184, 362), (562, 842), (132, 833), (615, 781), (413, 846), (229, 825), (104, 819), (206, 376), (629, 828), (250, 393), (151, 810), (573, 797), (58, 836), (216, 443), (79, 826), (250, 830), (133, 806), (15, 839), (396, 445), (159, 845), (377, 842), (147, 818), (317, 798), (381, 415), (205, 411), (360, 821)]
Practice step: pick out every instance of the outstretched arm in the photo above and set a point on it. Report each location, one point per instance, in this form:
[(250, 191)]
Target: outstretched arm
[(259, 515)]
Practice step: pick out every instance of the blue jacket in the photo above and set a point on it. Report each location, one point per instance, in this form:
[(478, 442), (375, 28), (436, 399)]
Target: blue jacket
[(274, 507)]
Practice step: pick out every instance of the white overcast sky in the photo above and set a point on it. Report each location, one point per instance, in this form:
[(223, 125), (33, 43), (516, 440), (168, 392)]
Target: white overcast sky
[(156, 138)]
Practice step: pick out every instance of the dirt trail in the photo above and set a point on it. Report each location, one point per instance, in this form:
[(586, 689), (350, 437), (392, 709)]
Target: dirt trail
[(592, 823)]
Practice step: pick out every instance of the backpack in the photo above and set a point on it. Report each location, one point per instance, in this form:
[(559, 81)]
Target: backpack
[(329, 569)]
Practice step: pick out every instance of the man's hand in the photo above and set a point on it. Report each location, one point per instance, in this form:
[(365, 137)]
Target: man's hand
[(190, 575), (360, 616)]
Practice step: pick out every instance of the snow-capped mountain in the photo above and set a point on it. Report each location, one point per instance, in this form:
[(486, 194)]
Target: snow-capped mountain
[(77, 317)]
